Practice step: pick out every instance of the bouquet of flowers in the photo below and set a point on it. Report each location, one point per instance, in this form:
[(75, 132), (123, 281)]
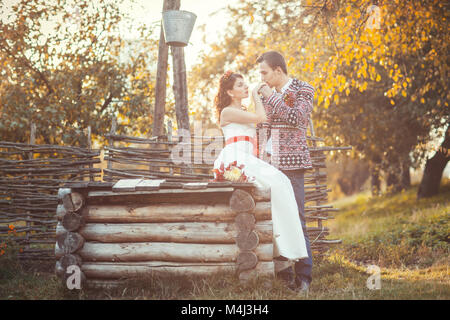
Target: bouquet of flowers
[(232, 172)]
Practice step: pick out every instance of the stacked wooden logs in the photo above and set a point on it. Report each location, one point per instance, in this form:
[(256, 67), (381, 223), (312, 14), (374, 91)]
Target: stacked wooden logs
[(68, 239), (140, 227)]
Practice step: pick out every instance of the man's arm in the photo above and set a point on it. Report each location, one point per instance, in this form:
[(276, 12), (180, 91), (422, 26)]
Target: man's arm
[(302, 107)]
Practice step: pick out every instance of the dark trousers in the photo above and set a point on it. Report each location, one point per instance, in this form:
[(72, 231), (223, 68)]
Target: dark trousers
[(303, 268)]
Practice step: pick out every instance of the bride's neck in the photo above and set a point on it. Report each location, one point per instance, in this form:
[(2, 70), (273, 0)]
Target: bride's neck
[(236, 104)]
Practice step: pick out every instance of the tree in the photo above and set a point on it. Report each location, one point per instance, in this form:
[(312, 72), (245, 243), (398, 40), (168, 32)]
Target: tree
[(429, 186), (381, 85), (64, 67)]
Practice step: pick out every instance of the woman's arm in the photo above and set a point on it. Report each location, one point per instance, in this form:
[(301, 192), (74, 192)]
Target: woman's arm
[(241, 116)]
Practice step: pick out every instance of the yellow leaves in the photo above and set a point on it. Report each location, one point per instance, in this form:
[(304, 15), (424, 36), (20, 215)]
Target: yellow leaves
[(252, 18), (347, 91), (348, 9), (363, 87), (320, 99), (378, 78), (336, 99), (404, 93), (422, 100), (392, 102)]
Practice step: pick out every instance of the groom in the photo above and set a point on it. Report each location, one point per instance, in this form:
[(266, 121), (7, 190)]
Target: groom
[(288, 109)]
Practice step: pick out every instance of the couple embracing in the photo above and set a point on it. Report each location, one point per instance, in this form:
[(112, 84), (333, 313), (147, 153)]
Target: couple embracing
[(284, 103)]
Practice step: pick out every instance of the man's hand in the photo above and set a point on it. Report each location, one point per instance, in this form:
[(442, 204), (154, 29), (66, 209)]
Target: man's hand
[(264, 90)]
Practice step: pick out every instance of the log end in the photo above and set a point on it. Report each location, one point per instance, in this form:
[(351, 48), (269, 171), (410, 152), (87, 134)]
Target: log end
[(242, 201)]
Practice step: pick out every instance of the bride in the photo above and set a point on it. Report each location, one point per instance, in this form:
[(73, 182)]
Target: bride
[(238, 126)]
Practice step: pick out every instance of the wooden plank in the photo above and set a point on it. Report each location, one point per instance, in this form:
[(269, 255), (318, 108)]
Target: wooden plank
[(108, 194), (168, 212), (108, 270), (126, 185), (149, 185), (164, 251), (186, 232), (195, 185)]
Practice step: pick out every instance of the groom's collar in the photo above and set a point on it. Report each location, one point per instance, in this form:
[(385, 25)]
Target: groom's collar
[(286, 86)]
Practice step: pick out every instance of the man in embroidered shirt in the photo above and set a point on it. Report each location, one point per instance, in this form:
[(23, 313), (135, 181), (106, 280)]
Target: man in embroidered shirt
[(288, 109)]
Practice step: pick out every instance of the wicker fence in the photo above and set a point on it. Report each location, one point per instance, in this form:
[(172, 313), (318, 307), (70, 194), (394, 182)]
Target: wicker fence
[(31, 175)]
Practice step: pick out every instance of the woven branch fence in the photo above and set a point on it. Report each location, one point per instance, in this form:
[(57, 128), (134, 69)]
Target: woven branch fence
[(31, 175)]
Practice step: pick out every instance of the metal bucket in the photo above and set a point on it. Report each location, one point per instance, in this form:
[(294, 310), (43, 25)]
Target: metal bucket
[(178, 25)]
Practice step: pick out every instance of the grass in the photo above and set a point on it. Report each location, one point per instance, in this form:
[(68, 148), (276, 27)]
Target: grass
[(407, 239)]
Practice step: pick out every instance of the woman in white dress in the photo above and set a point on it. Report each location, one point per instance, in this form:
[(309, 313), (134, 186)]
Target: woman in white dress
[(239, 129)]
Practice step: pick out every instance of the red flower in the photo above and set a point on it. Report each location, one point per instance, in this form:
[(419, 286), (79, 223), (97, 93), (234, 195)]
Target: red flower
[(222, 172), (289, 99), (227, 75)]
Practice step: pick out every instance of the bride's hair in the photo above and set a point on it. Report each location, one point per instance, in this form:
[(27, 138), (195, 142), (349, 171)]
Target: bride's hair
[(226, 83)]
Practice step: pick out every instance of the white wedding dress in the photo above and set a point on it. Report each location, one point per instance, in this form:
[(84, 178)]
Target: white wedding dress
[(288, 237)]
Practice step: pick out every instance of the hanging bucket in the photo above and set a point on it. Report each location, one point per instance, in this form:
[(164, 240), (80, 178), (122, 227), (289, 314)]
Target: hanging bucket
[(178, 25)]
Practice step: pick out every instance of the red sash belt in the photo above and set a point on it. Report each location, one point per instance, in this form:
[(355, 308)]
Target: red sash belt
[(244, 138)]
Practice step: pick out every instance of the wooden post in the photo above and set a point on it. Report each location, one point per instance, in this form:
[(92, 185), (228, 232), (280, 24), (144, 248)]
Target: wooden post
[(180, 82), (111, 144), (180, 88), (89, 145), (161, 75), (30, 157), (169, 139)]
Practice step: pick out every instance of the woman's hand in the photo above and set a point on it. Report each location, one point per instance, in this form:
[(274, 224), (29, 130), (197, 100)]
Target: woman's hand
[(255, 92), (264, 90)]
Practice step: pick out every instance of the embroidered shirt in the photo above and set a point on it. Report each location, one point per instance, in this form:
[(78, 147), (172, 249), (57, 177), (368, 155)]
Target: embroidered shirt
[(269, 142)]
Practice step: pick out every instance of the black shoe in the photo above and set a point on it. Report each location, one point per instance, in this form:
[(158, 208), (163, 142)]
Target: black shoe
[(288, 279), (302, 287)]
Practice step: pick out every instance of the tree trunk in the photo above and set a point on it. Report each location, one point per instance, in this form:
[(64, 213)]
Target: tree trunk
[(375, 182), (434, 167), (406, 176), (161, 76), (393, 181)]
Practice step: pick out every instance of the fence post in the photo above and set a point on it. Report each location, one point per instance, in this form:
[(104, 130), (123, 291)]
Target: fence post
[(30, 157), (111, 143), (89, 145), (317, 180), (169, 139)]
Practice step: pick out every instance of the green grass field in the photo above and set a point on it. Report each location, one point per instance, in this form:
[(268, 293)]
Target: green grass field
[(407, 239)]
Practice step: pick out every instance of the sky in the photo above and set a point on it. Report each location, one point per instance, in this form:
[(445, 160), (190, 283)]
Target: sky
[(208, 13), (150, 11)]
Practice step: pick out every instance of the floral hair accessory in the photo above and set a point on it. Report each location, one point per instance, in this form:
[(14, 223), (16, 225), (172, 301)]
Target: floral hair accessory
[(289, 99), (227, 75)]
